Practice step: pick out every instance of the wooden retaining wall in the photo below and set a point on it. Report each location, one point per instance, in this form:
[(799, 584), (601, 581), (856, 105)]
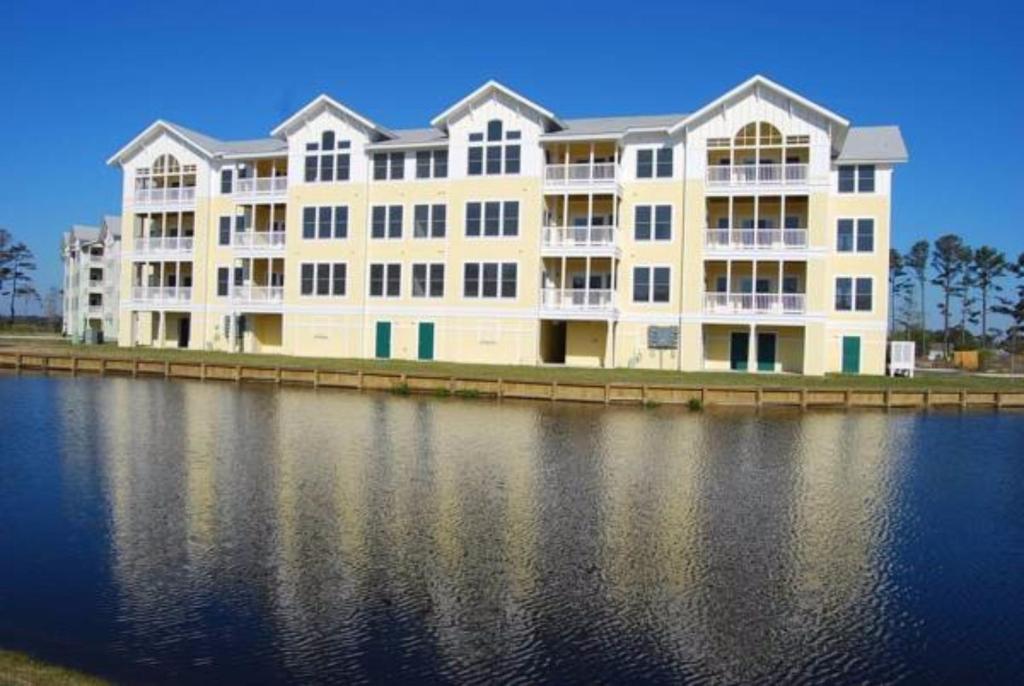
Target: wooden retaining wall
[(617, 393)]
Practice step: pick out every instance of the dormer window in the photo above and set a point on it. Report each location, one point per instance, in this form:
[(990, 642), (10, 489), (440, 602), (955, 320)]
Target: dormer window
[(334, 161), (497, 156)]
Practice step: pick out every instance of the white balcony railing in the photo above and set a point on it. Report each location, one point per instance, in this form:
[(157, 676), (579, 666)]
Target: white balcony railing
[(95, 259), (162, 294), (156, 244), (578, 299), (262, 185), (95, 283), (579, 236), (755, 303), (96, 310), (258, 240), (756, 174), (165, 196), (257, 294), (755, 239), (582, 174)]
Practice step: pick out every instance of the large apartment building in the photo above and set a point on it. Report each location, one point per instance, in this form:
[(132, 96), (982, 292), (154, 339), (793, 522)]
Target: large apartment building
[(750, 234), (92, 263)]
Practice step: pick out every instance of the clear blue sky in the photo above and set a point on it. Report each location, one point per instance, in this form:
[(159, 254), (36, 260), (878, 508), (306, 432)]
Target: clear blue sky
[(78, 80)]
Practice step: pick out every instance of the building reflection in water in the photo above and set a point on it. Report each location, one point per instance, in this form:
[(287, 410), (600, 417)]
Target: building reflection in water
[(328, 531)]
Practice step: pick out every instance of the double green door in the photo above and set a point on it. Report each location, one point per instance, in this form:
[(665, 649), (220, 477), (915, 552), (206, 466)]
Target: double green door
[(739, 351)]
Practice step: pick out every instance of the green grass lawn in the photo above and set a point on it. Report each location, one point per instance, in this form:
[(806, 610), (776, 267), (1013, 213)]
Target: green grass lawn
[(525, 373), (18, 669)]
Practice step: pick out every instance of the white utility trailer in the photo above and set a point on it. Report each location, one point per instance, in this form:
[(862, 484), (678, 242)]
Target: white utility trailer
[(901, 358)]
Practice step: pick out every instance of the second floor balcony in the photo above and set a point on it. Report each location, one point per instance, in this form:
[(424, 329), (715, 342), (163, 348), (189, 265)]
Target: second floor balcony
[(262, 241), (724, 176), (162, 294), (755, 239), (250, 294), (163, 244), (578, 302), (746, 304)]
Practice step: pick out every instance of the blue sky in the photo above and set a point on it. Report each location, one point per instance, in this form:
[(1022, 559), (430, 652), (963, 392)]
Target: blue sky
[(78, 81)]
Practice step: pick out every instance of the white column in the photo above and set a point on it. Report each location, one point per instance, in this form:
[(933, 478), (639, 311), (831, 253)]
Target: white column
[(752, 350), (161, 328), (586, 283)]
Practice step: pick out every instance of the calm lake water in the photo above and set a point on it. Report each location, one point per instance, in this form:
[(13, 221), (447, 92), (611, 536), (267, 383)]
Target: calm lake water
[(162, 532)]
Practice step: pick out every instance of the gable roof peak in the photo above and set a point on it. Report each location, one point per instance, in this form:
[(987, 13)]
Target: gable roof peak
[(490, 86), (326, 101)]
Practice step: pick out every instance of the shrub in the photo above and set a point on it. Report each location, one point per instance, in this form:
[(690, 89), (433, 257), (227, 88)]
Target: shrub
[(400, 389), (467, 393), (695, 405)]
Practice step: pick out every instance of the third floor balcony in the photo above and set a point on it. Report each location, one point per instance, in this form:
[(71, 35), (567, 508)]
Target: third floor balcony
[(259, 241), (747, 239), (176, 196), (746, 304), (270, 187), (153, 245), (724, 176)]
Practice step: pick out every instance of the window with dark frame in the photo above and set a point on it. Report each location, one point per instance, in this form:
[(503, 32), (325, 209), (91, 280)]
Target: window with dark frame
[(490, 280), (223, 281), (498, 219), (498, 156), (322, 163)]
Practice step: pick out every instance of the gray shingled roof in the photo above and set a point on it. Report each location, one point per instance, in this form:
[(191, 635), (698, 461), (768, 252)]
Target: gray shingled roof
[(405, 137), (112, 222), (610, 126), (218, 147), (84, 233), (873, 144)]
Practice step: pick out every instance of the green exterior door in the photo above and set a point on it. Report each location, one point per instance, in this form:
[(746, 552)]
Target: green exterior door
[(383, 340), (738, 351), (426, 341), (766, 352), (851, 354)]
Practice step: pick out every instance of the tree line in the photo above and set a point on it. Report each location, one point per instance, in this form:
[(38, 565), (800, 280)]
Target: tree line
[(972, 285), (17, 266)]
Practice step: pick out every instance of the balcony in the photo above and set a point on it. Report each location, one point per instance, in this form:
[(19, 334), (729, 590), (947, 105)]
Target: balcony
[(757, 175), (163, 244), (95, 311), (258, 241), (580, 240), (261, 187), (783, 304), (94, 259), (257, 295), (577, 303), (95, 283), (162, 295), (177, 196), (599, 176), (754, 239)]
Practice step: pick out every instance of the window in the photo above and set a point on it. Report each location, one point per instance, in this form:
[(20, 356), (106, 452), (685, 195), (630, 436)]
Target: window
[(322, 164), (385, 280), (857, 178), (224, 234), (644, 164), (322, 278), (440, 164), (853, 294), (865, 235), (380, 166), (338, 276), (397, 164), (325, 222), (223, 281), (499, 158), (862, 301), (499, 218), (429, 221), (386, 222), (489, 280), (225, 181), (428, 280), (855, 235), (664, 168), (306, 279), (423, 164), (661, 230), (651, 284)]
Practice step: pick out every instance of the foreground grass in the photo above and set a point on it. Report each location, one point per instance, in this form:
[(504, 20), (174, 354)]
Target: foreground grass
[(17, 669), (524, 373)]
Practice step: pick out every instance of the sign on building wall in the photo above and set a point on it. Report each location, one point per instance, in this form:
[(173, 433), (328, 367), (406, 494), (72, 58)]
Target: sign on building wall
[(662, 337)]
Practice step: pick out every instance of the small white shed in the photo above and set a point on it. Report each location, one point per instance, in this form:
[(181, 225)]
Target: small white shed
[(901, 358)]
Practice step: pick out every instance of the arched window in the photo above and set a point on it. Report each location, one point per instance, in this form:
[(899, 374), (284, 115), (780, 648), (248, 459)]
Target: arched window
[(757, 134), (166, 164), (494, 130)]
